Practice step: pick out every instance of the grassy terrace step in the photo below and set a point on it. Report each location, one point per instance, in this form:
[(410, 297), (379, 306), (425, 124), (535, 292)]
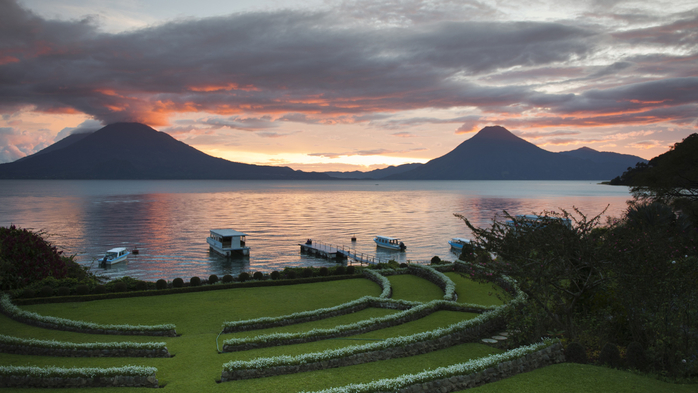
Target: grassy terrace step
[(413, 288), (470, 291)]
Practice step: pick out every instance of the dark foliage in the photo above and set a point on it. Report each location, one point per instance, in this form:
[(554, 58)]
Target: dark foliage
[(82, 289), (307, 272), (258, 276), (610, 355), (28, 293), (339, 270), (63, 291), (25, 258), (141, 286), (350, 269), (195, 281), (435, 260), (291, 274), (323, 272), (227, 278), (161, 284), (635, 356), (46, 292), (244, 276), (120, 287), (576, 353), (100, 289), (275, 275), (212, 279), (177, 282)]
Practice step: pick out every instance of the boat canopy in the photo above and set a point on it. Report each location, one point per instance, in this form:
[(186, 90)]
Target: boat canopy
[(227, 232), (388, 239), (117, 250)]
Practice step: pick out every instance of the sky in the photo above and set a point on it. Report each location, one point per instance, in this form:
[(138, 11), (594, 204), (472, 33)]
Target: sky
[(323, 85)]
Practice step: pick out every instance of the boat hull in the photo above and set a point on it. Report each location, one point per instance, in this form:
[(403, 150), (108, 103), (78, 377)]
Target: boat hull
[(217, 247)]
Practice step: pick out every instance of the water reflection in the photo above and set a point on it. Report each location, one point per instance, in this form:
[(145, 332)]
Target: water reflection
[(168, 221)]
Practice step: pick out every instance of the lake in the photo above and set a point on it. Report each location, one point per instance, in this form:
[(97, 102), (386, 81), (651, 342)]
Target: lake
[(168, 221)]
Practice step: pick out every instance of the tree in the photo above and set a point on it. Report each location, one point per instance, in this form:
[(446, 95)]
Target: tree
[(556, 259)]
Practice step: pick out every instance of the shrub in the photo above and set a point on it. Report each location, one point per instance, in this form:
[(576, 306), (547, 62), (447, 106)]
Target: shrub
[(403, 265), (195, 281), (161, 284), (27, 258), (28, 293), (141, 286), (351, 269), (46, 291), (82, 289), (100, 289), (227, 278), (435, 260), (291, 274), (635, 356), (212, 279), (339, 270), (275, 275), (63, 291), (244, 276), (576, 353), (120, 287), (178, 282), (258, 276), (610, 355), (324, 271), (307, 272)]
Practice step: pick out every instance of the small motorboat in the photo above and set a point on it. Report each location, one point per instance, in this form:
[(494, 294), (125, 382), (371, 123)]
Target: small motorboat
[(115, 255), (392, 243), (458, 243)]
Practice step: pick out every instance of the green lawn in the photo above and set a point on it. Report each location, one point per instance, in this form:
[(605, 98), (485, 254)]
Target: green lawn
[(198, 316)]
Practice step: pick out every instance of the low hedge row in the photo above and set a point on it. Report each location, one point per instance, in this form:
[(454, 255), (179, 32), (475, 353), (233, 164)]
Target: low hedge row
[(382, 281), (416, 312), (59, 377), (19, 345), (438, 278), (185, 289), (32, 318)]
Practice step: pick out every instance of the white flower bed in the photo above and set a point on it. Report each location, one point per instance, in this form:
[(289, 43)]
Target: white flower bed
[(472, 366), (366, 301), (448, 286), (429, 307), (13, 310), (76, 372), (382, 281), (30, 342)]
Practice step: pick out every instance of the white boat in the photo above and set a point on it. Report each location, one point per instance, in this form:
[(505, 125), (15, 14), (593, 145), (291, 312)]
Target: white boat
[(115, 255), (392, 243), (458, 242), (227, 242)]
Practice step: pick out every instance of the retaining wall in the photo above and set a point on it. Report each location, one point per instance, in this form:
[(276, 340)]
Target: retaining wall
[(14, 381), (78, 352)]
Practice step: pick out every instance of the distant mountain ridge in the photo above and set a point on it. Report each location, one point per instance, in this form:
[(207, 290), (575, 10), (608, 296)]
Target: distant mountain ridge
[(494, 153), (136, 151)]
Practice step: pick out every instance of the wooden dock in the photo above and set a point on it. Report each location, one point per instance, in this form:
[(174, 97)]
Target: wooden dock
[(329, 251)]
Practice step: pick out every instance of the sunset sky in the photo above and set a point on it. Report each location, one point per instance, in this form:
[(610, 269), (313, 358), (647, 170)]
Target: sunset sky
[(350, 85)]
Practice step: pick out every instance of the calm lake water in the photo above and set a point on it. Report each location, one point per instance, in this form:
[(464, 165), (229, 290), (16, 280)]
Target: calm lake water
[(168, 221)]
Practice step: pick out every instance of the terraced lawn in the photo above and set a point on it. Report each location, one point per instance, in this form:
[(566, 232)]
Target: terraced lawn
[(413, 288)]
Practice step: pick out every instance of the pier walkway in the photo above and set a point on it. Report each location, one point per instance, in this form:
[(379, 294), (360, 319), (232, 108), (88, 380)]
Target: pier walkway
[(329, 251)]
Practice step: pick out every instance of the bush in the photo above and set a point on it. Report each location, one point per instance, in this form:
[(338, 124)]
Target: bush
[(82, 289), (212, 279), (635, 356), (227, 279), (275, 275), (610, 355), (63, 291), (120, 287), (403, 265), (291, 274), (141, 286), (244, 277), (194, 281), (28, 293), (258, 276), (178, 282), (100, 289), (46, 291), (324, 271), (576, 353), (435, 260), (161, 284), (26, 258), (307, 272), (351, 269), (339, 270)]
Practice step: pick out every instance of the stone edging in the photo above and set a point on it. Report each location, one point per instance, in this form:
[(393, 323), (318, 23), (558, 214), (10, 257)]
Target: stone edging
[(349, 332), (466, 335), (77, 352), (16, 381), (544, 357)]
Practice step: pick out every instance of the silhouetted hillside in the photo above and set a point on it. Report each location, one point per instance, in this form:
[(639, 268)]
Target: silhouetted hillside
[(136, 151), (376, 173), (494, 153)]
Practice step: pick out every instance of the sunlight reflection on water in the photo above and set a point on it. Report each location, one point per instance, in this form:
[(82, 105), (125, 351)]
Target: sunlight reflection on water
[(168, 221)]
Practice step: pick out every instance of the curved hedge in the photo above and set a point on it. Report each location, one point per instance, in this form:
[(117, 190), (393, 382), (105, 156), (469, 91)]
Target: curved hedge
[(11, 344)]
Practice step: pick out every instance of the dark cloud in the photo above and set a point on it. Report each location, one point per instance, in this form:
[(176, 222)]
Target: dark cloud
[(360, 63)]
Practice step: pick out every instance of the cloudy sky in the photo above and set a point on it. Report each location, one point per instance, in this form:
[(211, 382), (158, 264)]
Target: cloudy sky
[(346, 85)]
